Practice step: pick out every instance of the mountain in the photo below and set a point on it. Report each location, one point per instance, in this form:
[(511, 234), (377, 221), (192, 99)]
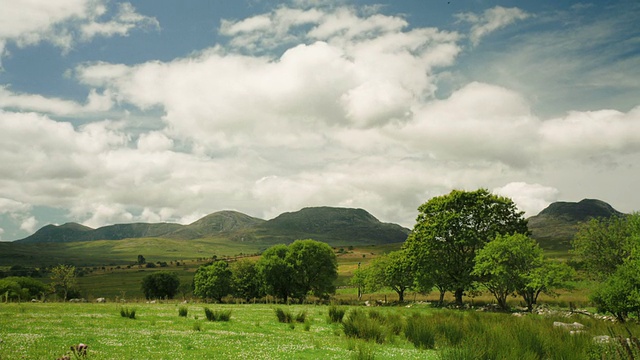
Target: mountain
[(336, 226), (555, 226)]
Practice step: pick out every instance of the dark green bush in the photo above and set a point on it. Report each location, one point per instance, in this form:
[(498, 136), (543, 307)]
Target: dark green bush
[(217, 315), (128, 313), (358, 325), (183, 311), (336, 314)]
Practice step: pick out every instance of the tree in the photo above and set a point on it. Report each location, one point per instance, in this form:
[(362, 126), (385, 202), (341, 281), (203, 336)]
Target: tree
[(620, 293), (450, 229), (315, 268), (245, 280), (603, 244), (63, 278), (141, 260), (160, 285), (276, 272), (213, 281), (516, 264), (392, 270)]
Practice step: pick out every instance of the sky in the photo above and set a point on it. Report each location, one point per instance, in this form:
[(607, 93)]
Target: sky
[(166, 111)]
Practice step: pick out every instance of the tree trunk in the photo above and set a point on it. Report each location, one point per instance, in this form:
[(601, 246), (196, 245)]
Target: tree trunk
[(441, 301), (458, 295), (400, 295)]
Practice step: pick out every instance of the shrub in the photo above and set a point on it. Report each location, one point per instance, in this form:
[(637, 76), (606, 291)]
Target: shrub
[(421, 332), (285, 316), (357, 324), (128, 313), (183, 311), (336, 314), (197, 326), (217, 315)]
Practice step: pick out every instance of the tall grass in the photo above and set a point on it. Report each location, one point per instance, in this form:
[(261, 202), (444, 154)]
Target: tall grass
[(336, 314), (286, 316), (183, 311), (217, 315), (128, 313), (357, 324)]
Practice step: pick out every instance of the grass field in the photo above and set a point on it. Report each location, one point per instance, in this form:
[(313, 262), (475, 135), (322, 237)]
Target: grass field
[(48, 330)]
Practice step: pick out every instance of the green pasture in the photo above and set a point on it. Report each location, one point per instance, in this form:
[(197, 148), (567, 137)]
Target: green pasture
[(47, 330)]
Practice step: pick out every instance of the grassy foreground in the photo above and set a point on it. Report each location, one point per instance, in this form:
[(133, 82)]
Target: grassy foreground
[(48, 330), (156, 331)]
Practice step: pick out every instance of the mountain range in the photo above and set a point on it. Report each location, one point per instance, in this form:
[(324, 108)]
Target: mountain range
[(336, 226), (554, 227)]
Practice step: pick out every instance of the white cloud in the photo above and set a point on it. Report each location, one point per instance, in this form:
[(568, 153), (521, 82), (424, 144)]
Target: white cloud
[(530, 198), (27, 23), (491, 20), (29, 224), (96, 102)]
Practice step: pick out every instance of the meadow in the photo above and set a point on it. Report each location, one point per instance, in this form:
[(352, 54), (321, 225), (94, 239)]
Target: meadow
[(157, 331)]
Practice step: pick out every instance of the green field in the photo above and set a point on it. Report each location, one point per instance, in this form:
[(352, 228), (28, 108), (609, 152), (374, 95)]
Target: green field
[(48, 330)]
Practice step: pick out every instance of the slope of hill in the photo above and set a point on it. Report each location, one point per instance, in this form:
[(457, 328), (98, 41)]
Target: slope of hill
[(555, 226), (221, 222)]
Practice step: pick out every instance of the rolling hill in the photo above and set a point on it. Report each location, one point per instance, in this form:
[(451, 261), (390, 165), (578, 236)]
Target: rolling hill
[(555, 226)]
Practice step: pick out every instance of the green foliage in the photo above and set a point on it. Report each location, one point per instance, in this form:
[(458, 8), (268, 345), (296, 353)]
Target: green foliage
[(304, 267), (63, 278), (183, 311), (286, 316), (217, 315), (315, 268), (449, 231), (515, 264), (213, 281), (358, 325), (22, 288), (276, 272), (394, 270), (246, 282), (126, 312), (620, 294), (336, 314), (603, 244), (420, 331), (159, 285)]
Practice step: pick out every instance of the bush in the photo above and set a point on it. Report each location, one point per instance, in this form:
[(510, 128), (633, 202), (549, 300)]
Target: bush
[(128, 313), (421, 332), (285, 316), (183, 311), (358, 325), (336, 314), (217, 315)]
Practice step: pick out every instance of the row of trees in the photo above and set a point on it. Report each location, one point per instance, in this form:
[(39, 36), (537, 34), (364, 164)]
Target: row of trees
[(303, 268), (62, 281), (464, 240)]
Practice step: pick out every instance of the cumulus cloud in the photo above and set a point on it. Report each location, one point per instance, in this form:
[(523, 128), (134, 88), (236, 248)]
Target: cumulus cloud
[(96, 102), (530, 198), (64, 22), (491, 20)]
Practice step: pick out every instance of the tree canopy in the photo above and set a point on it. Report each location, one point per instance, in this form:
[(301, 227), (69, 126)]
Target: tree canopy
[(213, 281), (392, 270), (450, 229), (160, 284), (63, 278)]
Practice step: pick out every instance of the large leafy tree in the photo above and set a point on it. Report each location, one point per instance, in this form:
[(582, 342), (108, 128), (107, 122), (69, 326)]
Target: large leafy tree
[(392, 270), (245, 280), (620, 293), (276, 272), (315, 268), (302, 268), (450, 229), (515, 264), (213, 281), (603, 244), (160, 284)]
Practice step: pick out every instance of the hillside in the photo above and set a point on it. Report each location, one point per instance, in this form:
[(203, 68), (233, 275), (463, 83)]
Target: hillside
[(555, 226), (336, 226)]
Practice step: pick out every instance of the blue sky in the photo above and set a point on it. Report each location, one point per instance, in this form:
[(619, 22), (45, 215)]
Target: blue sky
[(115, 111)]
